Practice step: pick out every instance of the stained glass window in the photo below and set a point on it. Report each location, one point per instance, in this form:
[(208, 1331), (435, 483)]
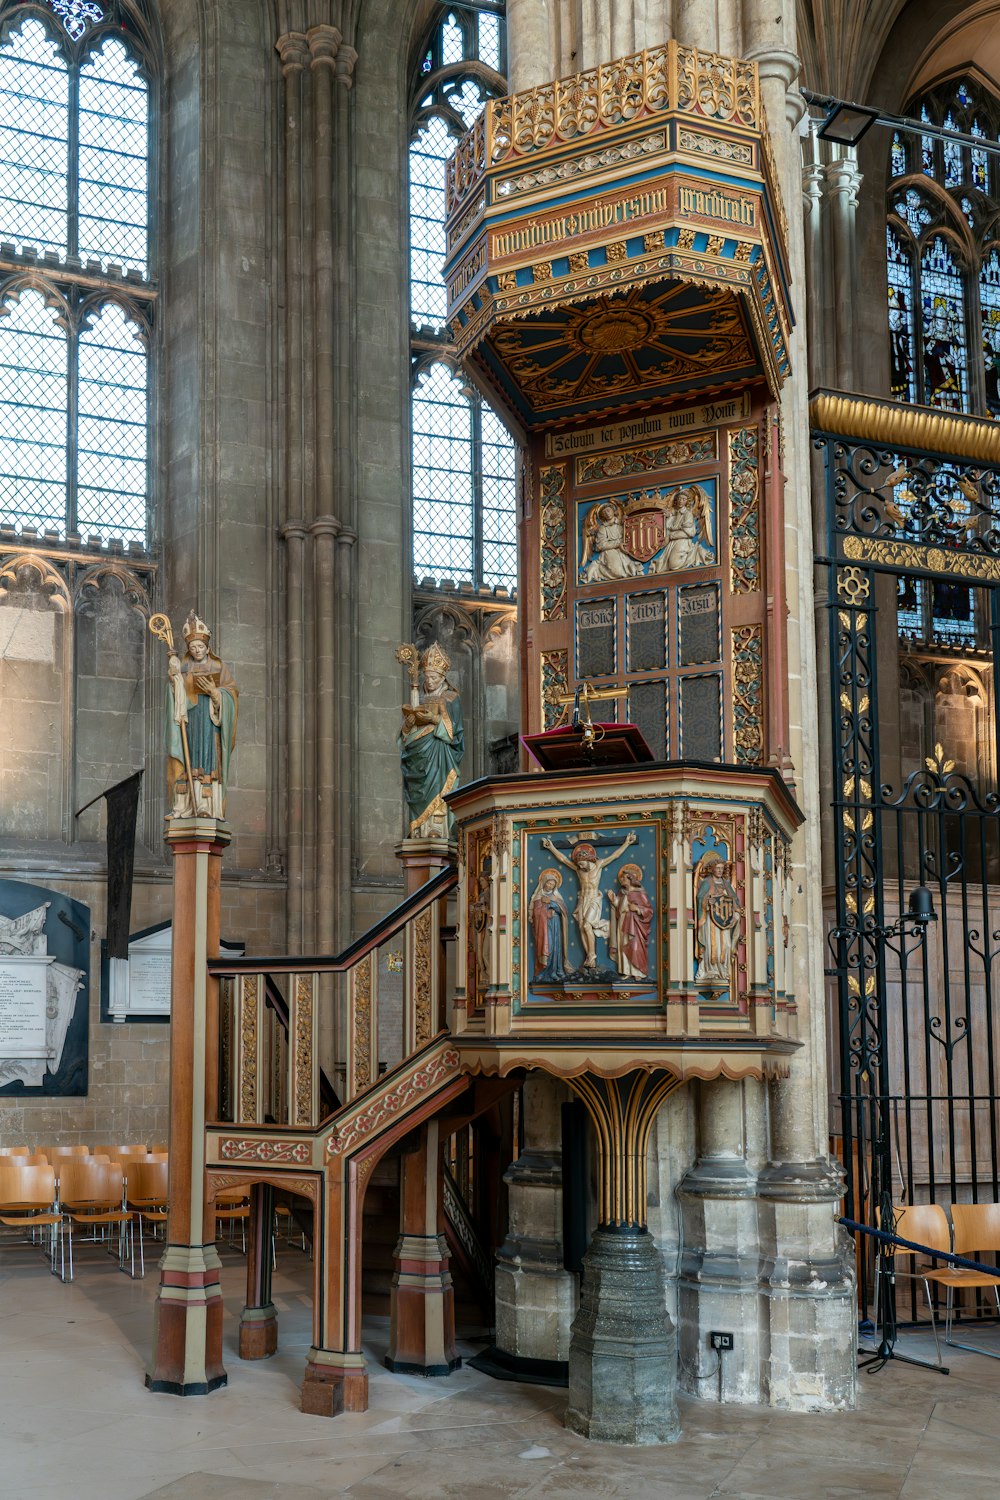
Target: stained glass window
[(463, 458), (901, 331), (942, 259), (898, 160), (74, 197), (942, 289), (989, 302)]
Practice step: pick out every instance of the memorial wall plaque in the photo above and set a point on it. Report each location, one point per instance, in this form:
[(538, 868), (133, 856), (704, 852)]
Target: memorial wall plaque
[(138, 988), (44, 991), (23, 1001)]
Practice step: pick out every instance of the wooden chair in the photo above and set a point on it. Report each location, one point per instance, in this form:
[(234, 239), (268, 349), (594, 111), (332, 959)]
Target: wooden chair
[(55, 1153), (232, 1206), (976, 1231), (145, 1202), (122, 1153), (927, 1224), (15, 1150), (28, 1203), (90, 1195), (161, 1149)]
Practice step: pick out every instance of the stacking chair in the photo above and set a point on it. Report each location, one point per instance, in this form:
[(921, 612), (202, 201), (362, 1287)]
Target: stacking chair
[(55, 1153), (15, 1150), (121, 1153), (927, 1224), (160, 1149), (145, 1203), (232, 1206), (90, 1195), (976, 1230), (27, 1203)]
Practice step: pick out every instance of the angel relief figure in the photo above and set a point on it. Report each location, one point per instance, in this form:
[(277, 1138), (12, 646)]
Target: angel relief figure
[(604, 554), (687, 531)]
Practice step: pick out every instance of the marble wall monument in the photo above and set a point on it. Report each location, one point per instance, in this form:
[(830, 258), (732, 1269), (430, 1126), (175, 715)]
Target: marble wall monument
[(44, 990)]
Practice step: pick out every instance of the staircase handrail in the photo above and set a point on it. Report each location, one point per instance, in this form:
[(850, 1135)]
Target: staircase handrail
[(339, 963)]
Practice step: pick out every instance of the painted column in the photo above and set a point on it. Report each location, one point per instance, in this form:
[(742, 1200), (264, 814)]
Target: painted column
[(258, 1320), (535, 1294), (623, 1351), (422, 1320), (187, 1344)]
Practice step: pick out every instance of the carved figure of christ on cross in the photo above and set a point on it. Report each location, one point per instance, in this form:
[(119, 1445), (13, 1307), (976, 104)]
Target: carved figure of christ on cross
[(588, 915)]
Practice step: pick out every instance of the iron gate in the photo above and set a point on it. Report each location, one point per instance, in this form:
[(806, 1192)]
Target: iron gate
[(914, 602)]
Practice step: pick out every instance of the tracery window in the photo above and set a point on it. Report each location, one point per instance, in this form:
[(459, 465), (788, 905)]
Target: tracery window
[(943, 255), (463, 458), (76, 295)]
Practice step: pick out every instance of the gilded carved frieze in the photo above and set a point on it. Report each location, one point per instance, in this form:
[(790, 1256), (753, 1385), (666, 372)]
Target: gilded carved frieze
[(303, 1053), (422, 980), (361, 1041), (553, 542), (248, 989), (744, 510), (748, 695), (555, 682)]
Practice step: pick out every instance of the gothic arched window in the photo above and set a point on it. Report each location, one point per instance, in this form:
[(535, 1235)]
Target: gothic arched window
[(76, 294), (463, 458), (943, 255)]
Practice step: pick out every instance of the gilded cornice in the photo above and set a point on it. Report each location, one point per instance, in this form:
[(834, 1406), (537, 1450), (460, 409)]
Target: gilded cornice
[(894, 424)]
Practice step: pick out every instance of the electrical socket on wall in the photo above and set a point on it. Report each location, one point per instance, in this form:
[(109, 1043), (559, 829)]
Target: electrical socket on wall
[(722, 1341)]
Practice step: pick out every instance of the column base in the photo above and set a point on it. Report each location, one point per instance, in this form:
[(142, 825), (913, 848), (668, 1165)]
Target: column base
[(422, 1329), (623, 1351), (258, 1332), (329, 1389), (187, 1335)]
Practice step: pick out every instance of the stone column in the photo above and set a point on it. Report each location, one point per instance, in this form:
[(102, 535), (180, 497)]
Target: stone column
[(807, 1263), (422, 1322), (719, 1285), (258, 1320), (187, 1340), (623, 1351), (844, 180), (535, 1294)]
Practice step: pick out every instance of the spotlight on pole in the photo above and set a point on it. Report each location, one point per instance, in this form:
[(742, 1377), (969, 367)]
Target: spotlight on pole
[(847, 123)]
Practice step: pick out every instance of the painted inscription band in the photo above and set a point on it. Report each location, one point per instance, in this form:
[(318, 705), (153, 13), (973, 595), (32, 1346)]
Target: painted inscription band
[(579, 224), (662, 424)]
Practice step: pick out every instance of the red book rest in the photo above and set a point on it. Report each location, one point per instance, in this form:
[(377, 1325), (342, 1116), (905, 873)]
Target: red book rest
[(564, 749)]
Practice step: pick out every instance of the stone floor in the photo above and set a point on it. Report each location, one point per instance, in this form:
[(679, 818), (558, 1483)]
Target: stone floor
[(77, 1424)]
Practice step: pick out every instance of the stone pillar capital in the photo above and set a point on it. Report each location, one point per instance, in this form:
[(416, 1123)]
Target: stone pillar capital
[(293, 49), (325, 526), (776, 62), (812, 183), (294, 531), (346, 537), (324, 44), (844, 177), (346, 59)]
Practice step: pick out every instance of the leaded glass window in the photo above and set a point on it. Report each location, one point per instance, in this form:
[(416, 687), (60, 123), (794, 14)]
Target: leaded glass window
[(943, 270), (76, 295), (463, 458)]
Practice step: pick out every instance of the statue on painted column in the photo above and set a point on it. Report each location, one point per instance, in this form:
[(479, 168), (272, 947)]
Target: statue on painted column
[(431, 742), (202, 707)]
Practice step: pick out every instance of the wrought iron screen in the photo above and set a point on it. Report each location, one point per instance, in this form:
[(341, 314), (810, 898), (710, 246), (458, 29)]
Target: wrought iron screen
[(914, 601)]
